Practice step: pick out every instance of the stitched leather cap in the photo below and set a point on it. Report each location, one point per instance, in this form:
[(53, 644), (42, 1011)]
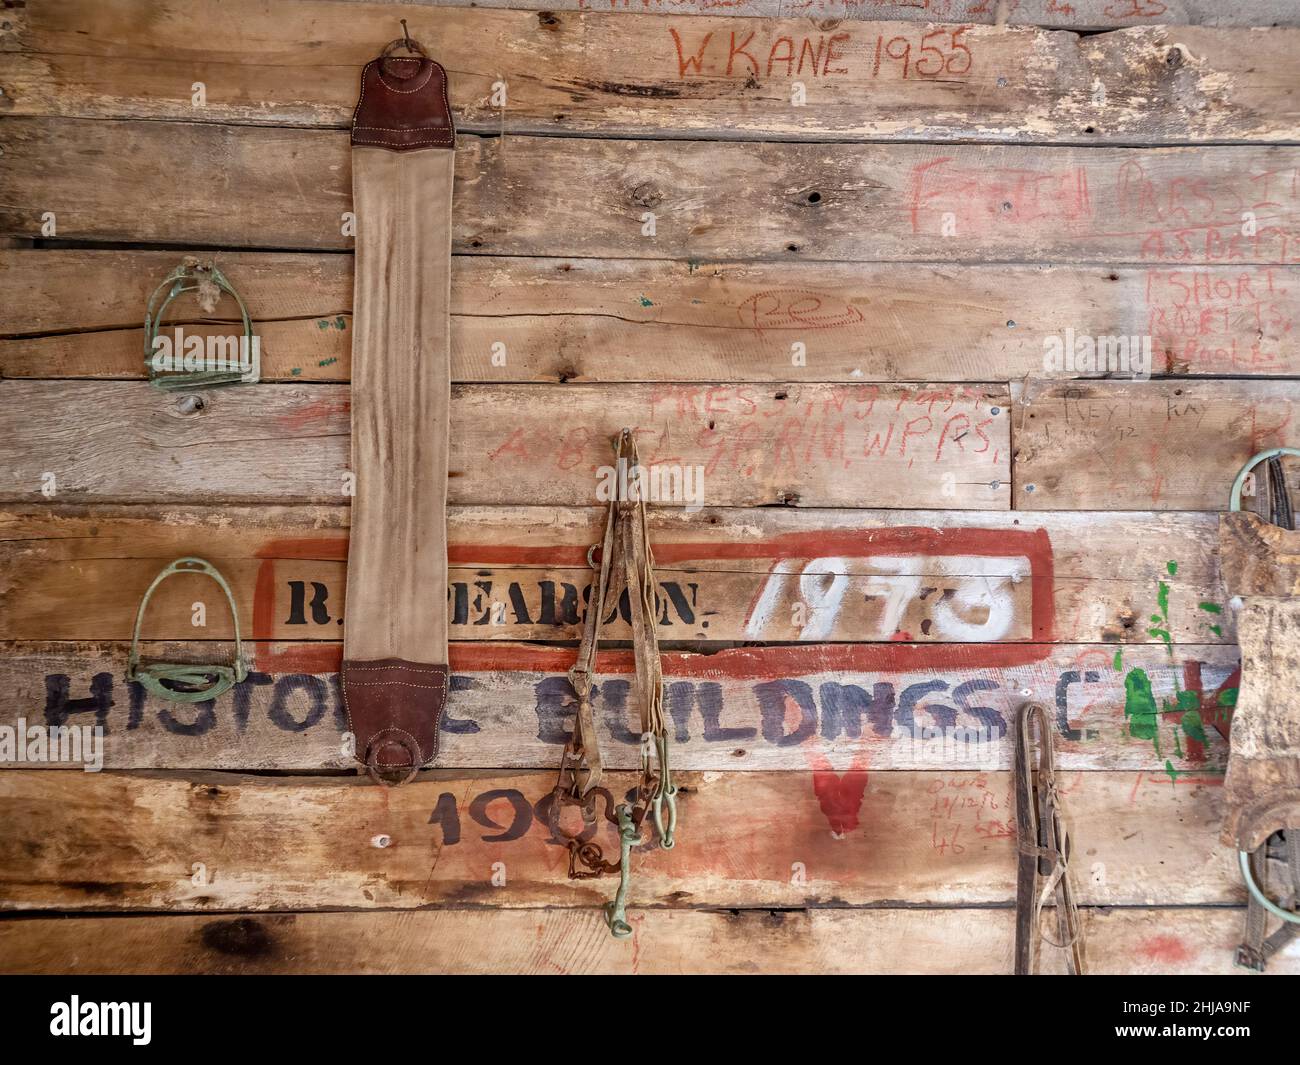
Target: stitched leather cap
[(394, 710), (403, 106)]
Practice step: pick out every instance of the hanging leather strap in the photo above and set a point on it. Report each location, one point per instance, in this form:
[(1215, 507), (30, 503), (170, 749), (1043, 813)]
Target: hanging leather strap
[(624, 553), (1043, 848), (395, 644)]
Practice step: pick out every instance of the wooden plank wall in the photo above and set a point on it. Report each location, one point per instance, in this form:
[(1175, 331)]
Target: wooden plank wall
[(816, 254)]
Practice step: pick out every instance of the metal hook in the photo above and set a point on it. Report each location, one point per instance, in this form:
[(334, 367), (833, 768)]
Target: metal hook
[(616, 911)]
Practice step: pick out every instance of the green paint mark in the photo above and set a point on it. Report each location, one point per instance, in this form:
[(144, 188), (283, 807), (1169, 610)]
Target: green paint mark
[(1201, 771), (1194, 726), (322, 323), (1211, 608), (692, 265), (1161, 629), (1228, 697), (1187, 701), (646, 302), (296, 371), (1178, 747), (1118, 664), (340, 323), (1216, 630), (327, 362), (1140, 705)]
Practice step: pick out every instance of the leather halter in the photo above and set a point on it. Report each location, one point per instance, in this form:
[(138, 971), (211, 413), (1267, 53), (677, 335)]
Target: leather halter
[(626, 545)]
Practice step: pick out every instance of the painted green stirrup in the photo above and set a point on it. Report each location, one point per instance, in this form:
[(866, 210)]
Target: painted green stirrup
[(1234, 500), (198, 274), (200, 682)]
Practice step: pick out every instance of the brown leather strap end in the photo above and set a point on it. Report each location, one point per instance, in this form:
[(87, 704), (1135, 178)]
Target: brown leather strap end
[(403, 105), (394, 710)]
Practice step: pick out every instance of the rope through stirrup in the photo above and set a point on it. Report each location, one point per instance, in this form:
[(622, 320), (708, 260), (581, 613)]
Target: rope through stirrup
[(1044, 848), (625, 547)]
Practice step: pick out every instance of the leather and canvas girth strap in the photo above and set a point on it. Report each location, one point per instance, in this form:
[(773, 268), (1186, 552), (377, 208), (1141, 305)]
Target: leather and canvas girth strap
[(395, 644)]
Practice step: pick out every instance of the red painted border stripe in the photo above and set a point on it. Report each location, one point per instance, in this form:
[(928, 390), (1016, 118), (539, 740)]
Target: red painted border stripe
[(858, 543)]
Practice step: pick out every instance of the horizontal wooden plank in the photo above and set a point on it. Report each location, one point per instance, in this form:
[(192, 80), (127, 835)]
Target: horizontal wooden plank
[(1173, 942), (627, 74), (525, 195), (108, 841), (1138, 446), (1077, 14), (78, 313), (883, 706), (773, 575), (721, 445)]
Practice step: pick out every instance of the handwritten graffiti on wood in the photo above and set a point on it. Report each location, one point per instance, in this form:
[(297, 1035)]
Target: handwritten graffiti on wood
[(761, 53), (1249, 216)]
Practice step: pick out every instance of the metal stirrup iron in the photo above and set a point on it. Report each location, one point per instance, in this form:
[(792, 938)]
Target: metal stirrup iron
[(207, 283), (185, 682), (1043, 847), (626, 547), (1262, 786)]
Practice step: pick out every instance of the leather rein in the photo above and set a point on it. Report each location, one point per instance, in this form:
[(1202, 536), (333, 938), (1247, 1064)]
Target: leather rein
[(626, 547)]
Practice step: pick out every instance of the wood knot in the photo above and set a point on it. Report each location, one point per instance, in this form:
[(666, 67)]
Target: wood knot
[(548, 19), (241, 938), (646, 195)]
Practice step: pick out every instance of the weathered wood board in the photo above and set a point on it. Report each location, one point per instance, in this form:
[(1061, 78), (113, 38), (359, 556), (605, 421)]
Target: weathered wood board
[(1162, 445), (1151, 941), (883, 706), (77, 313), (772, 575), (530, 72), (1144, 445), (715, 445), (111, 841), (528, 195), (1076, 14)]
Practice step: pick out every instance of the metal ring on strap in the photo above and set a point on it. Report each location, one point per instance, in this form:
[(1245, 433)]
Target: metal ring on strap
[(200, 682), (1243, 858), (1234, 500), (400, 774), (190, 270)]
